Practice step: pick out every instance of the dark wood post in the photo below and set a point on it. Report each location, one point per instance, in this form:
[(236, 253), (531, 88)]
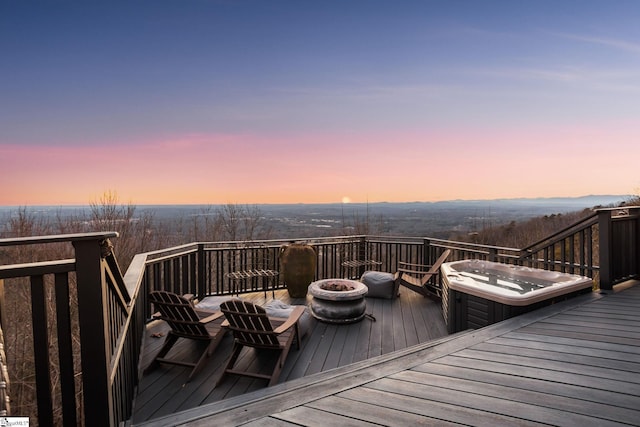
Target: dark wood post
[(362, 255), (40, 345), (427, 257), (92, 313), (493, 254), (202, 272), (605, 248), (631, 249), (636, 272)]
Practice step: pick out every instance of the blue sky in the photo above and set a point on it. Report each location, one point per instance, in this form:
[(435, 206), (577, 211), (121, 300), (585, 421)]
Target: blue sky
[(421, 82)]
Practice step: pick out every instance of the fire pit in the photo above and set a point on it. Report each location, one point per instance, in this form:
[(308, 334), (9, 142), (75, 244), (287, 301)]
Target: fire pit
[(338, 300)]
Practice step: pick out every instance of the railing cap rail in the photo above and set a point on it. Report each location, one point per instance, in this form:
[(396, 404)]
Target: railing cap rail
[(56, 238), (453, 244), (630, 207)]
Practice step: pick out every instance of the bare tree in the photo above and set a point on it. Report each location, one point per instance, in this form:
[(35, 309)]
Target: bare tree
[(242, 222), (254, 224), (135, 232), (368, 224), (633, 201), (230, 216), (207, 225)]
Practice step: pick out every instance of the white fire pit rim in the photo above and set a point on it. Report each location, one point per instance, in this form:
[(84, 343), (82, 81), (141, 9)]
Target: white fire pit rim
[(358, 292)]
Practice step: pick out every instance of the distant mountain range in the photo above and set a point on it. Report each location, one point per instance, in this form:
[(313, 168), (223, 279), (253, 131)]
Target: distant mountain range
[(550, 202), (590, 201)]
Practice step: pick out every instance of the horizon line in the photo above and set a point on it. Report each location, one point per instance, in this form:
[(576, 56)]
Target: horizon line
[(622, 196)]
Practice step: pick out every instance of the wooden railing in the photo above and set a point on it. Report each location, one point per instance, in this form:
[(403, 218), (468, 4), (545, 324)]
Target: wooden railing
[(202, 268), (91, 305), (112, 309), (604, 246)]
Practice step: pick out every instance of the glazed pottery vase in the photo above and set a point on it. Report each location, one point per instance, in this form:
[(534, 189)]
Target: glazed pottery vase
[(297, 268)]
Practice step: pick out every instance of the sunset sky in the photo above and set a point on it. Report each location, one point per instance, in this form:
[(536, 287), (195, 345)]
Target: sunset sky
[(207, 102)]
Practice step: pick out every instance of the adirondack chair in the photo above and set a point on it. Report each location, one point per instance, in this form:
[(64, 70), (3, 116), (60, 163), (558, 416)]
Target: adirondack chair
[(187, 322), (421, 278), (252, 327)]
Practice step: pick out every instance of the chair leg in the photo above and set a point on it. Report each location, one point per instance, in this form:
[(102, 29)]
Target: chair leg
[(237, 348), (296, 330), (275, 375), (205, 355), (284, 352), (168, 343)]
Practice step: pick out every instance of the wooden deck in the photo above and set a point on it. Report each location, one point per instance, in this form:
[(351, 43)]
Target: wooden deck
[(573, 363), (399, 323)]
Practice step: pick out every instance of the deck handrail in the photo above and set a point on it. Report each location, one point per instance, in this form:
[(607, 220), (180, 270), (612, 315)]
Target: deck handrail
[(108, 330), (572, 228)]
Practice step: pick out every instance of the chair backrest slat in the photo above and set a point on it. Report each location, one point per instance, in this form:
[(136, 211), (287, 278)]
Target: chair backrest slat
[(436, 266), (250, 324), (179, 313)]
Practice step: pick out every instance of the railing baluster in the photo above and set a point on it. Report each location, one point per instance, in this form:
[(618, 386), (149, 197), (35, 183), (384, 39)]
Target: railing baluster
[(41, 350), (202, 268), (65, 349), (175, 273)]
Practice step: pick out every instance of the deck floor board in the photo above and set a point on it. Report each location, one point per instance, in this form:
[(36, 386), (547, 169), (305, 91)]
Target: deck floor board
[(466, 373), (371, 412), (572, 363), (326, 346)]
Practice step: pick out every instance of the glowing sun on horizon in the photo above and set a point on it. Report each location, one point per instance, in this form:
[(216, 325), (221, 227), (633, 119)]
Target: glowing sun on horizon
[(346, 199)]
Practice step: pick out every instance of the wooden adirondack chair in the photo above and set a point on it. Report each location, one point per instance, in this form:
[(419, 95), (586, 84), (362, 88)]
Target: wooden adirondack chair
[(421, 278), (252, 327), (188, 322)]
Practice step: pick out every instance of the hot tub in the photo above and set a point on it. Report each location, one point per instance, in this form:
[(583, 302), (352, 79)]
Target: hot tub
[(479, 293)]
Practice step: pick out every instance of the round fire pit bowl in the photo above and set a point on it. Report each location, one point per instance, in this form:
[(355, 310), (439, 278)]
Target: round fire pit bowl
[(338, 300)]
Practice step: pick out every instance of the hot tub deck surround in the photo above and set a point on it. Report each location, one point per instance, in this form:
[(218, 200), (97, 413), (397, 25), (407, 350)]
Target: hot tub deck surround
[(510, 284), (573, 363), (478, 293)]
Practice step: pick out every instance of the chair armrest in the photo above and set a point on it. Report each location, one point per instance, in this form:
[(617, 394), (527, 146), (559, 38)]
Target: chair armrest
[(291, 320), (418, 268), (211, 317), (403, 278), (415, 272)]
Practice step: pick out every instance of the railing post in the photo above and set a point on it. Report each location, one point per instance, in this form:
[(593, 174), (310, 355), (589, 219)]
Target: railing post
[(202, 271), (362, 254), (427, 258), (605, 248), (363, 247), (493, 254), (636, 213), (92, 314)]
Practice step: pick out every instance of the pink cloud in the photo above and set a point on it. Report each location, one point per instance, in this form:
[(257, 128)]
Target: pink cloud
[(418, 165)]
